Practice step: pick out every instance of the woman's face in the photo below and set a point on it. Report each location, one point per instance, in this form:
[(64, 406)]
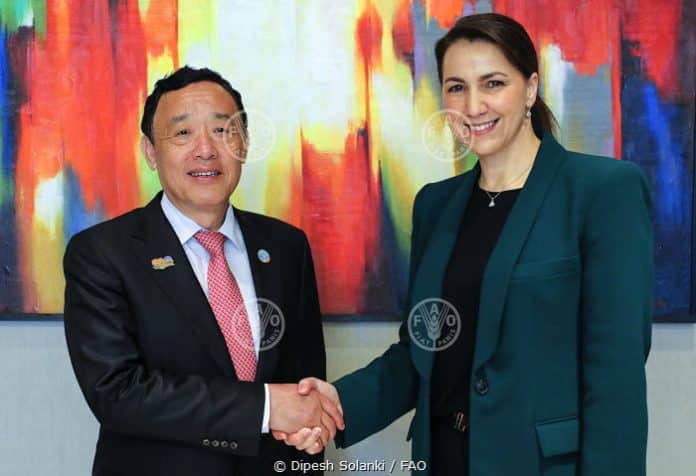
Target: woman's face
[(488, 95)]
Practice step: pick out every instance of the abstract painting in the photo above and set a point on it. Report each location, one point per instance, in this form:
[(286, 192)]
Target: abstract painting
[(339, 95)]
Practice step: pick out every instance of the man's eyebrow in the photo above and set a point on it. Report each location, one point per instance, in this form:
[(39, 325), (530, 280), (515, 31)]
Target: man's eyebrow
[(179, 118), (183, 116)]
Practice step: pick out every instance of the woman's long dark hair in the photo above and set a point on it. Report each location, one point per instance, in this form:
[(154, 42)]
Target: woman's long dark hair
[(514, 42)]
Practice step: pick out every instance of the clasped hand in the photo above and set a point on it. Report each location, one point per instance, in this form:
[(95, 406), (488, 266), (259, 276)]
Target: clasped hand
[(306, 415)]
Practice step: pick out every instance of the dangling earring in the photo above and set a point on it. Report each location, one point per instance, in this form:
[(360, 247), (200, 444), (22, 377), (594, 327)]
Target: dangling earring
[(529, 113)]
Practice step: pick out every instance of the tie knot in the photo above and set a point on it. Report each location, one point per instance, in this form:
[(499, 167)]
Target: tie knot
[(212, 241)]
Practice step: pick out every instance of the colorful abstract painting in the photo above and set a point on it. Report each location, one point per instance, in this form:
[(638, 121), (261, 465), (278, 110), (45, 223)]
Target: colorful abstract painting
[(340, 93)]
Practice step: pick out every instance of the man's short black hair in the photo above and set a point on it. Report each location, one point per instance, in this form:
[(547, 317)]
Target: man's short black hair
[(181, 78)]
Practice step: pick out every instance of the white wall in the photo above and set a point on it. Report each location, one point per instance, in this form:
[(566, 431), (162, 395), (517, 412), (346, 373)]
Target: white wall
[(46, 428), (672, 401)]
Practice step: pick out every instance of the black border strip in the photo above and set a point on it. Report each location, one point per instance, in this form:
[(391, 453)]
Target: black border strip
[(675, 318), (18, 317)]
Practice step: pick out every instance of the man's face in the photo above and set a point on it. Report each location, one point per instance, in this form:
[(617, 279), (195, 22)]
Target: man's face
[(198, 147)]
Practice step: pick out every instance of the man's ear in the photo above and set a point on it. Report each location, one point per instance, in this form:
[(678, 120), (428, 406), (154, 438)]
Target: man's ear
[(243, 148), (148, 151), (241, 153)]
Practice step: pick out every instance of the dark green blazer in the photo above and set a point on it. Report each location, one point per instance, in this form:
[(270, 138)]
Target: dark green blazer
[(558, 376)]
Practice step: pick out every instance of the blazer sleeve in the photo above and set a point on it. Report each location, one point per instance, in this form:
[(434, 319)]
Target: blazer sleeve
[(616, 319), (376, 395), (310, 348), (311, 345), (125, 395)]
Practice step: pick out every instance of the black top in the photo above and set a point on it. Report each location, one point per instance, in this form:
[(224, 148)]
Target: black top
[(478, 233)]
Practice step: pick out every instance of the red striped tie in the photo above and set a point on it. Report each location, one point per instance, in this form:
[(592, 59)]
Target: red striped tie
[(228, 306)]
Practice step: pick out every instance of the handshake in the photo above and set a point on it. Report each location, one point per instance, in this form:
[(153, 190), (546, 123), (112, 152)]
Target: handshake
[(305, 415)]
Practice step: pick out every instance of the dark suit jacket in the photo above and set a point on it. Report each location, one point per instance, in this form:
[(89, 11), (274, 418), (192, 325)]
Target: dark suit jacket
[(152, 362), (558, 376)]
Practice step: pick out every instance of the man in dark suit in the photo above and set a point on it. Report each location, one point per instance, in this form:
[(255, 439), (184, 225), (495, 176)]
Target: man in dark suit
[(188, 320)]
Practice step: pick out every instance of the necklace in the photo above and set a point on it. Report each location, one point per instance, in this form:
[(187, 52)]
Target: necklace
[(492, 198)]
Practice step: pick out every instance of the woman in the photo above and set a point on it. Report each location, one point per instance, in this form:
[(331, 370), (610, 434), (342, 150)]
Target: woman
[(547, 257)]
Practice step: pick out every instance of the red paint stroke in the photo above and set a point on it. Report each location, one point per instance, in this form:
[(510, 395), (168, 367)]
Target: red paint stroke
[(588, 35), (84, 84), (342, 218), (579, 29), (369, 36), (614, 41), (655, 28), (402, 31), (161, 27), (445, 12), (88, 89), (130, 87), (587, 32)]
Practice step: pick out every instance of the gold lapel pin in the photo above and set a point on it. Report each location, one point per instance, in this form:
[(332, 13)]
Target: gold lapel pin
[(162, 263), (264, 256)]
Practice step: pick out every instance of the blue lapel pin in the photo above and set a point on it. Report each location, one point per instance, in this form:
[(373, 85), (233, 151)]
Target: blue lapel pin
[(264, 256)]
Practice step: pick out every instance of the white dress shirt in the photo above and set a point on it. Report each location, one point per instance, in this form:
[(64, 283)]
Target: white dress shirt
[(237, 260)]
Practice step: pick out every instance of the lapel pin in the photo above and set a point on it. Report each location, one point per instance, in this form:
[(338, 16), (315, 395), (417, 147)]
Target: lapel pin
[(162, 263), (264, 256)]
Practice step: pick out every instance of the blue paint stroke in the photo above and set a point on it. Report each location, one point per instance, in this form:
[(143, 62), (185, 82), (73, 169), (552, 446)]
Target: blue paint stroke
[(657, 136), (662, 122), (6, 125), (76, 215), (10, 286)]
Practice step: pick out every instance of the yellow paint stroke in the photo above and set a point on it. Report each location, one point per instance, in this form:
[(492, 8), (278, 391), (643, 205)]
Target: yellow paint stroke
[(46, 246)]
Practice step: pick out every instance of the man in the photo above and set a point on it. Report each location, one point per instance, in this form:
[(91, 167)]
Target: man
[(167, 308)]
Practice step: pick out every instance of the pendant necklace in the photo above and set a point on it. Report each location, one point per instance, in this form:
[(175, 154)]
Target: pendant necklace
[(492, 198)]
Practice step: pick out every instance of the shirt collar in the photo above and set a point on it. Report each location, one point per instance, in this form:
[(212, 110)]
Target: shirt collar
[(185, 228)]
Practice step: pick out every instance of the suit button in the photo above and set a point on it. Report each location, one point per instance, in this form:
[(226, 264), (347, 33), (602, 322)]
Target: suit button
[(482, 386), (233, 445), (224, 444), (206, 442), (215, 443)]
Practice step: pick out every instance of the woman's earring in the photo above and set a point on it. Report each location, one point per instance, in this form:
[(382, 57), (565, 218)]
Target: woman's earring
[(529, 113)]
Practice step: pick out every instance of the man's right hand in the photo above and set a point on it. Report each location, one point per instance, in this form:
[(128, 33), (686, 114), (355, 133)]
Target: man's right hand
[(290, 410), (308, 439)]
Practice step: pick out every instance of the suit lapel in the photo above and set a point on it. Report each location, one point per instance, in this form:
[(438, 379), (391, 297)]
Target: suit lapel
[(267, 283), (507, 250), (179, 282), (431, 270)]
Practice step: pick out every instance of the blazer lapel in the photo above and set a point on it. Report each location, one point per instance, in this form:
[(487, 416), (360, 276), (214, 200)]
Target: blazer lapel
[(431, 270), (179, 282), (506, 252), (267, 283)]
